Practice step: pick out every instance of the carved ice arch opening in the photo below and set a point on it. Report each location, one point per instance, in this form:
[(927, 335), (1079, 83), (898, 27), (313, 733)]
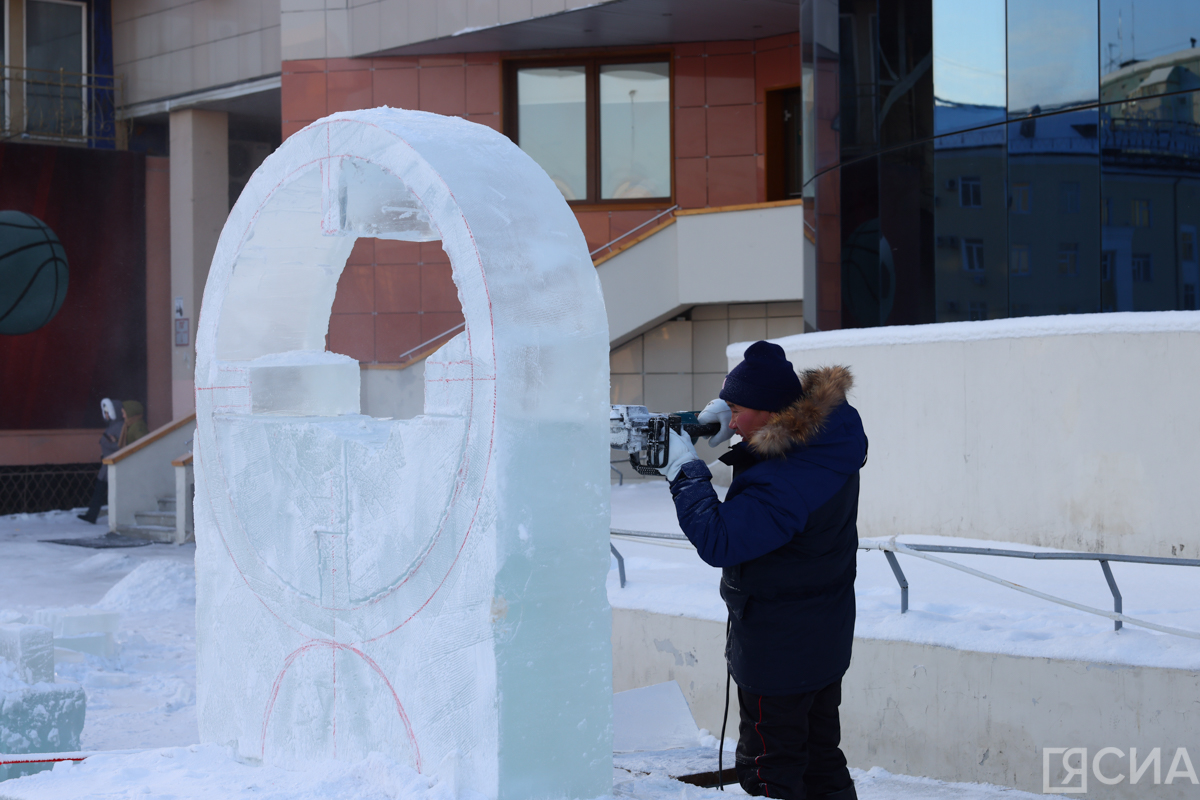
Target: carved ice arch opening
[(358, 578)]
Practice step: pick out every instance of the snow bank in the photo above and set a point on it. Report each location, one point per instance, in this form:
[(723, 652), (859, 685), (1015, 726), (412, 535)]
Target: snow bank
[(1125, 322), (210, 772), (157, 585)]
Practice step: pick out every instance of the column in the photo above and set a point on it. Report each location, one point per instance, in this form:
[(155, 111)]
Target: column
[(199, 206)]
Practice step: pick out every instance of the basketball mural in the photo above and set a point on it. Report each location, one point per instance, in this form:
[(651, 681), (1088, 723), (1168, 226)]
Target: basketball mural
[(33, 273)]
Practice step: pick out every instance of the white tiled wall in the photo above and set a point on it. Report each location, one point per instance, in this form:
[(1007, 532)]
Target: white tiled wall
[(681, 364), (165, 48)]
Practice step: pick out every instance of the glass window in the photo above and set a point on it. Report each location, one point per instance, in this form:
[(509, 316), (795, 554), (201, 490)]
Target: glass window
[(602, 131), (635, 131), (1052, 55), (972, 255), (1142, 269), (968, 64), (552, 124), (1069, 197), (1068, 259), (1144, 47), (1021, 201), (1139, 216), (1187, 243), (977, 309), (54, 54), (1020, 259), (970, 193)]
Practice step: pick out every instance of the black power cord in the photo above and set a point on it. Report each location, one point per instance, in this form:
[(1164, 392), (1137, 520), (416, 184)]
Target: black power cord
[(724, 721)]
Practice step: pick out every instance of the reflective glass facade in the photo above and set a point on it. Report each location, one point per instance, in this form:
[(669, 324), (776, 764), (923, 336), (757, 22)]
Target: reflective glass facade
[(981, 159)]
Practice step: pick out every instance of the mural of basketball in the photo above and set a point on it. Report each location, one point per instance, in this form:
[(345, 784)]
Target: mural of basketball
[(33, 273)]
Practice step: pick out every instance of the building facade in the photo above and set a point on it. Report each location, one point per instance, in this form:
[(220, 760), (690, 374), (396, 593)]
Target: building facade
[(999, 158)]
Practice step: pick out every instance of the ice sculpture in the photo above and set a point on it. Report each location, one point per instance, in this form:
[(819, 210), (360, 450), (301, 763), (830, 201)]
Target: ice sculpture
[(429, 588)]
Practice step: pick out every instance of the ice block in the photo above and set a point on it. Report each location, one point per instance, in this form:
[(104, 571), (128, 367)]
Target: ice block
[(431, 588)]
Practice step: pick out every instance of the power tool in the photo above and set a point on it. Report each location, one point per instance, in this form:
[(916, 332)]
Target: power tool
[(644, 435)]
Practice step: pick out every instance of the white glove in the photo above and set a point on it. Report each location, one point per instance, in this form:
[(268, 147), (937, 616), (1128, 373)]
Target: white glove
[(717, 411), (681, 452)]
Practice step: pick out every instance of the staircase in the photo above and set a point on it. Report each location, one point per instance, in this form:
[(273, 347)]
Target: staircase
[(157, 525)]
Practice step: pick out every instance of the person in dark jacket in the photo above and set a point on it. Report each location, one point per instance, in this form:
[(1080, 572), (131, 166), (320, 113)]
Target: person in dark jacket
[(114, 424), (785, 538), (135, 423)]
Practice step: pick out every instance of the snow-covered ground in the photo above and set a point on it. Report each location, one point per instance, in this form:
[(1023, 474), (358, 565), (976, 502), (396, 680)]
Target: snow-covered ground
[(946, 607), (144, 698)]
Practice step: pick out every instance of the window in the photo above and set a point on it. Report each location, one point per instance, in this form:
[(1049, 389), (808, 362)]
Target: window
[(970, 193), (601, 130), (1019, 259), (1108, 261), (55, 53), (1020, 198), (1187, 244), (977, 310), (1106, 211), (1069, 198), (972, 255), (1142, 269), (1140, 216), (1068, 259)]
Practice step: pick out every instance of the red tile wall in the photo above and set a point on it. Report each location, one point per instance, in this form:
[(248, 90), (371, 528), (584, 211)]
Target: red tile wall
[(393, 296)]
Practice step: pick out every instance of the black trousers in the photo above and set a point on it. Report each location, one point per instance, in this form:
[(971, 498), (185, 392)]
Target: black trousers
[(99, 498), (788, 745)]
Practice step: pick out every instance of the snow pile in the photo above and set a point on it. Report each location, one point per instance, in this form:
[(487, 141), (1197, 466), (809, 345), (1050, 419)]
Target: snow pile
[(157, 585), (210, 772), (1125, 322)]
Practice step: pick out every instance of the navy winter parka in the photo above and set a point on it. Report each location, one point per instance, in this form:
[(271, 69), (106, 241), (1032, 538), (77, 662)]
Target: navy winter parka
[(786, 538)]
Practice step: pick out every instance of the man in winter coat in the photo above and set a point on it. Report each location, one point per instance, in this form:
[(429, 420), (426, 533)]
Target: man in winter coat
[(108, 445), (785, 538)]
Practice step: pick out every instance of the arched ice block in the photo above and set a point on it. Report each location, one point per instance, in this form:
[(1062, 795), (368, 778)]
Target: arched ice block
[(429, 588)]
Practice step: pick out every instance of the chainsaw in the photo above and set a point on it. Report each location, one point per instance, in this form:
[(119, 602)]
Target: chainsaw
[(645, 435)]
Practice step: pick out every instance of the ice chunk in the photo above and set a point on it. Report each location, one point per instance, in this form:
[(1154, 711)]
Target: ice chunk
[(304, 382), (84, 630), (39, 717), (31, 650), (425, 587)]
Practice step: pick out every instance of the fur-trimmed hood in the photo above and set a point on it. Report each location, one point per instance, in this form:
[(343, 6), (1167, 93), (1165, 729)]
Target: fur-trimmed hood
[(801, 422)]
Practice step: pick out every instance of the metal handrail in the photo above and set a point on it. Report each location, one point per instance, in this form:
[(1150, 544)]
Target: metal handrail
[(891, 546), (632, 231)]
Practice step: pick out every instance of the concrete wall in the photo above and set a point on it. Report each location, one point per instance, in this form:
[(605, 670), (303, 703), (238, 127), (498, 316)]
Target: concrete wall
[(713, 256), (1069, 432), (65, 446), (165, 48), (950, 714), (137, 481)]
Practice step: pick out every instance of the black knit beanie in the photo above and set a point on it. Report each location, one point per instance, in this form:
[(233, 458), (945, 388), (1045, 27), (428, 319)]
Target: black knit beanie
[(765, 380)]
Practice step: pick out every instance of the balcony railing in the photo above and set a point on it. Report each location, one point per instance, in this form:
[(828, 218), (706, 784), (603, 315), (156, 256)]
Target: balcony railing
[(61, 107)]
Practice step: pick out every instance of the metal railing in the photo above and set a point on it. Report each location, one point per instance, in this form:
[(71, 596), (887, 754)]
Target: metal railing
[(891, 547), (669, 212), (61, 107)]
